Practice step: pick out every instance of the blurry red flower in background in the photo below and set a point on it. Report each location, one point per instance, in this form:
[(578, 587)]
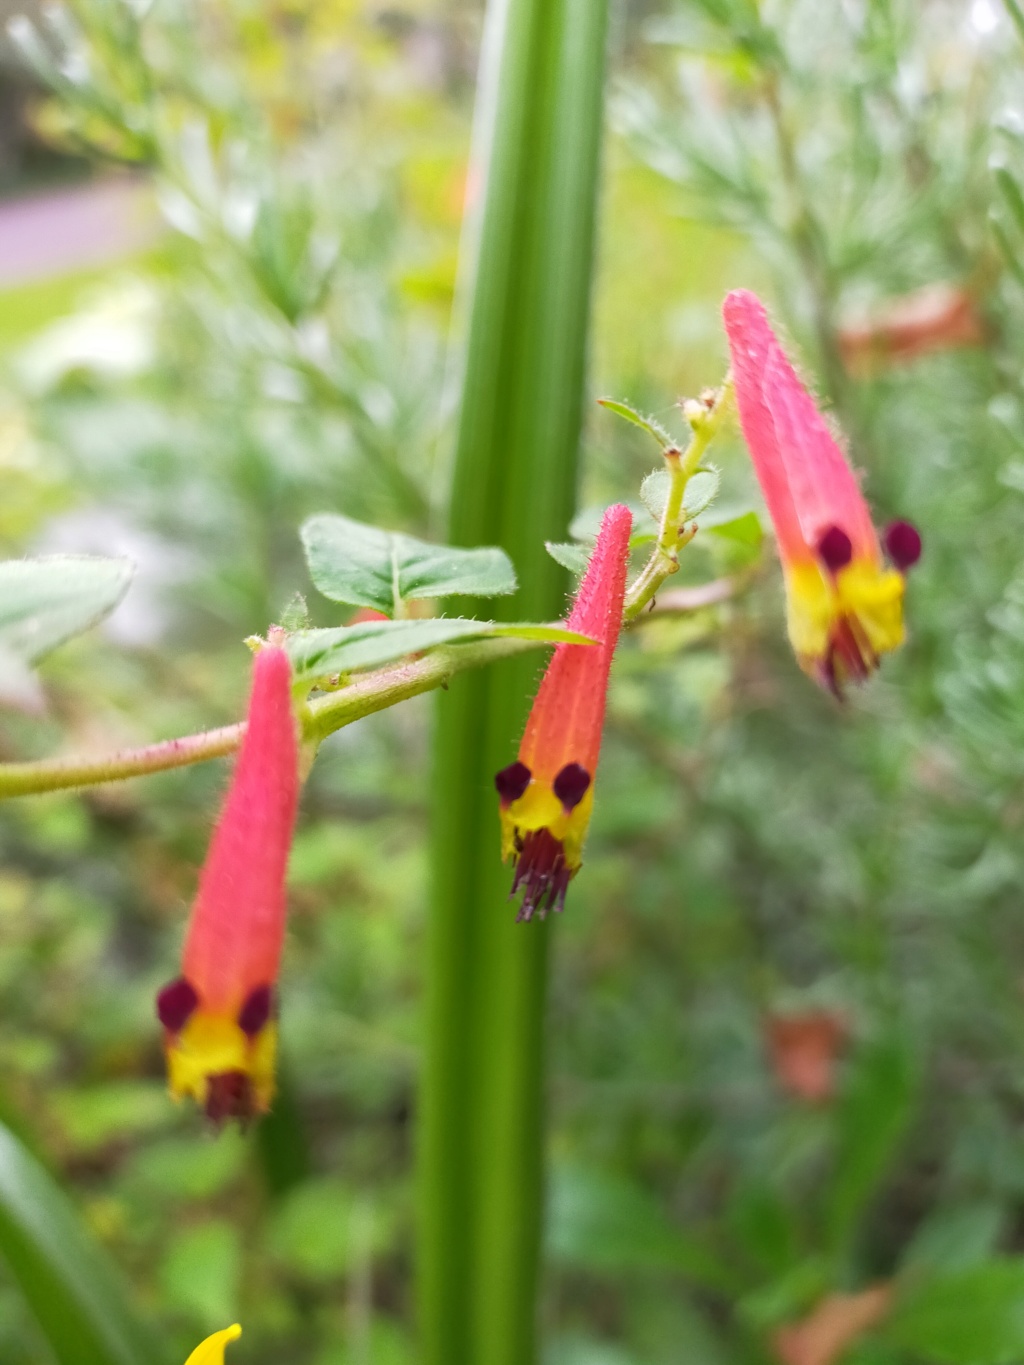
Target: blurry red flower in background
[(845, 606)]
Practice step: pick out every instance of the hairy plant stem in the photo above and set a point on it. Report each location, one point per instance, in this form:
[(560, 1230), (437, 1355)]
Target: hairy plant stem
[(672, 534), (319, 718)]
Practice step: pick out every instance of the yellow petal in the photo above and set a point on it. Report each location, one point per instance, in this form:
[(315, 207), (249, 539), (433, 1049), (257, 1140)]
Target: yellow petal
[(211, 1351)]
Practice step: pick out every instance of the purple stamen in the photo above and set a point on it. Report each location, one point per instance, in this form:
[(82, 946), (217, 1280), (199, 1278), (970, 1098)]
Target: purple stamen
[(835, 549), (570, 786), (229, 1096), (902, 543), (541, 874), (258, 1007), (175, 1004), (512, 781)]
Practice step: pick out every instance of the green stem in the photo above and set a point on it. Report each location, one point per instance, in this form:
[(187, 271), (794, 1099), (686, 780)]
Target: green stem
[(672, 534), (525, 279), (373, 692)]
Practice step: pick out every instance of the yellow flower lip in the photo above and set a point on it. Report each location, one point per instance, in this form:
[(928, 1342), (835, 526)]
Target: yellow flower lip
[(841, 623), (544, 830), (226, 1069), (211, 1351)]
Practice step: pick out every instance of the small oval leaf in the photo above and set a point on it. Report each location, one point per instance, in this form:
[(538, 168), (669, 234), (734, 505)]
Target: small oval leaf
[(367, 567)]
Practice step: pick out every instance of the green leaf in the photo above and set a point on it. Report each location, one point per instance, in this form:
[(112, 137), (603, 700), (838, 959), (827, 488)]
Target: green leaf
[(80, 1304), (570, 554), (341, 649), (955, 1239), (872, 1117), (598, 1221), (654, 492), (701, 491), (648, 424), (367, 567), (44, 602), (975, 1317), (745, 528)]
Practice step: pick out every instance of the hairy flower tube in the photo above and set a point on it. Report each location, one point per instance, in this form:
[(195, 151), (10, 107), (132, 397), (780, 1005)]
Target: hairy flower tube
[(844, 602), (211, 1351), (547, 794), (220, 1033)]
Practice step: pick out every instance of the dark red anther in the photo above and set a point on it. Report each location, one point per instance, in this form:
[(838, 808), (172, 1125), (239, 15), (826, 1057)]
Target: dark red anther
[(835, 549), (512, 781), (570, 786), (902, 543), (175, 1004), (541, 875), (258, 1007), (229, 1096)]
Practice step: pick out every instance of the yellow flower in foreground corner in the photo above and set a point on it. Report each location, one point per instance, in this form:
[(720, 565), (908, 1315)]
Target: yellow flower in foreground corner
[(211, 1351)]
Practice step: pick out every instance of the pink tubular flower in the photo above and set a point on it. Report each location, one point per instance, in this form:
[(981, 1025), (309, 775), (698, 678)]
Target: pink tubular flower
[(845, 606), (220, 1035), (547, 795)]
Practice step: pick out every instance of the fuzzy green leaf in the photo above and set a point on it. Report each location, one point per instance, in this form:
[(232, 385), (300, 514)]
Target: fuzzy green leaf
[(648, 424), (654, 492), (367, 567), (570, 554), (701, 491), (321, 653)]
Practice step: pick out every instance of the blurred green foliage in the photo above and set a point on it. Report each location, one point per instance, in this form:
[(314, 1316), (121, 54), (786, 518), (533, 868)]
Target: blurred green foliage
[(757, 854)]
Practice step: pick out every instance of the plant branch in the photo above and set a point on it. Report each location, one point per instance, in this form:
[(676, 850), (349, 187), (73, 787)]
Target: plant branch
[(319, 718), (672, 533)]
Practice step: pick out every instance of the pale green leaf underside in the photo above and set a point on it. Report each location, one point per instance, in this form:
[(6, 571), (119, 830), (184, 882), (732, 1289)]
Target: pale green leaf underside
[(44, 602), (321, 653), (367, 567)]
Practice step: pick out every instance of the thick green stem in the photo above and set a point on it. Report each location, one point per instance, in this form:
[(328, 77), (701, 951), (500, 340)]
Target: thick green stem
[(528, 271), (373, 692)]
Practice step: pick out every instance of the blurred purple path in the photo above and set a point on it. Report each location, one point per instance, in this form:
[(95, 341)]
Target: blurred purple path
[(56, 232)]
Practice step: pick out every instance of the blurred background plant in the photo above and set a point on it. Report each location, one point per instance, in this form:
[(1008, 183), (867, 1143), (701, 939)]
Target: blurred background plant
[(786, 1092)]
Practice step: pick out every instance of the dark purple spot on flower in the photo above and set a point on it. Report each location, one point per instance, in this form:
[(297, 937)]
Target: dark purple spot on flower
[(175, 1004), (512, 781), (258, 1007), (835, 549), (541, 874), (229, 1096), (571, 785), (902, 544)]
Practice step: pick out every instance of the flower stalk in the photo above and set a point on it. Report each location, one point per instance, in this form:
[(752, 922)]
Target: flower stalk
[(367, 694), (705, 419)]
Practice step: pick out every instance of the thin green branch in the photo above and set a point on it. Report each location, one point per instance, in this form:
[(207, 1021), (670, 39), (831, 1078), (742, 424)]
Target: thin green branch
[(672, 534), (372, 692)]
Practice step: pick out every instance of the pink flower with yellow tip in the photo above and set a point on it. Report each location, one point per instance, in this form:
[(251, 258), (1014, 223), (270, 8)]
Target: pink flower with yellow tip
[(211, 1351), (844, 602), (220, 1034), (547, 794)]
